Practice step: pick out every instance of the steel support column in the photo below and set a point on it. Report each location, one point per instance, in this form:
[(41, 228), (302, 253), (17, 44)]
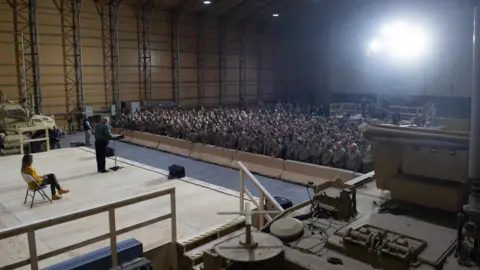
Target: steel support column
[(242, 87), (200, 64), (144, 18), (175, 18), (25, 22), (72, 55), (222, 62), (259, 52), (109, 21)]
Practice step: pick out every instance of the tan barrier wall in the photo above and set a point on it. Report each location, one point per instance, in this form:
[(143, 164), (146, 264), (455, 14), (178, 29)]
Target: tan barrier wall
[(304, 172), (129, 134), (268, 166), (175, 146), (288, 170), (146, 139), (212, 154)]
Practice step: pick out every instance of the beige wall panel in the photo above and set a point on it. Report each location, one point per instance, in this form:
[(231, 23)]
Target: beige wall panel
[(6, 11), (90, 21), (187, 59), (187, 30), (93, 79), (251, 62), (232, 100), (162, 45), (129, 75), (232, 47), (232, 75), (233, 32), (210, 60), (46, 5), (251, 89), (89, 70), (6, 25), (233, 61), (188, 75), (268, 74), (8, 70), (189, 103), (10, 91), (161, 74), (8, 80), (211, 91), (91, 43), (209, 46), (47, 39), (50, 28), (51, 55), (268, 87), (188, 18), (188, 91), (7, 55), (252, 75), (89, 7), (53, 90), (129, 36), (92, 56), (210, 75), (129, 44), (232, 89), (188, 44), (161, 58), (158, 35), (128, 57), (162, 91), (160, 28), (49, 78)]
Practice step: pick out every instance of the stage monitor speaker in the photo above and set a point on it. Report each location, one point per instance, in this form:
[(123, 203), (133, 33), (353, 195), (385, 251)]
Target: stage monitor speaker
[(284, 202), (176, 171)]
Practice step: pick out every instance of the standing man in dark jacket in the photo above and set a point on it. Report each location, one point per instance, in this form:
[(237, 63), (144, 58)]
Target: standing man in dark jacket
[(102, 136), (87, 129)]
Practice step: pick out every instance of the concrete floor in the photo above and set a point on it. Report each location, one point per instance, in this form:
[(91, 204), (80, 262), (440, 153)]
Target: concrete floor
[(210, 173)]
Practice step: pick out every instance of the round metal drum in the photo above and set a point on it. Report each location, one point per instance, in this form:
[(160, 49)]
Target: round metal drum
[(268, 247)]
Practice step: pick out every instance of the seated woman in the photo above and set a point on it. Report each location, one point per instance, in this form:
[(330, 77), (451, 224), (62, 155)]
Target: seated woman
[(48, 179)]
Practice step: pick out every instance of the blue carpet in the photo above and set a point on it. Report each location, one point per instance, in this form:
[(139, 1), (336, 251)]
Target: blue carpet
[(210, 173)]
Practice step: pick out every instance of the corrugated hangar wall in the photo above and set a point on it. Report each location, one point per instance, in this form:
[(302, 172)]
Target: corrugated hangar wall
[(198, 46)]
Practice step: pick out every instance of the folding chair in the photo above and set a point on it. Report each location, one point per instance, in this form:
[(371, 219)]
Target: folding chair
[(29, 179)]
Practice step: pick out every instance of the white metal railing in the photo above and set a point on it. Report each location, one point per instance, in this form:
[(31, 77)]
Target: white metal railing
[(264, 194), (30, 229), (29, 129)]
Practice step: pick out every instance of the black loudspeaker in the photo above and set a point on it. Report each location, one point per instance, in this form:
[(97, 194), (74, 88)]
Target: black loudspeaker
[(285, 203), (110, 152), (176, 171)]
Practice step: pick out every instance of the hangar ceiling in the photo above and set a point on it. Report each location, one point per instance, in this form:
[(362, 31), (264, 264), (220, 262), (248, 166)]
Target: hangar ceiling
[(252, 10)]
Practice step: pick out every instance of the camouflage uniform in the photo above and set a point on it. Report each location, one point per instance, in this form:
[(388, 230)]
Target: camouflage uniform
[(339, 158), (353, 160), (327, 157)]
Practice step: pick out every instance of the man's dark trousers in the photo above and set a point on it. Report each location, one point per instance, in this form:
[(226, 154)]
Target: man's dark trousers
[(100, 153)]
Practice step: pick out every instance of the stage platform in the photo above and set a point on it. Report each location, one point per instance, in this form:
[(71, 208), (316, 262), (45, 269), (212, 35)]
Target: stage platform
[(197, 204)]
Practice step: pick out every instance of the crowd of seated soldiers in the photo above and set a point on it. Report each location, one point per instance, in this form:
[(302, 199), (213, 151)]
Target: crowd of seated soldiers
[(275, 130)]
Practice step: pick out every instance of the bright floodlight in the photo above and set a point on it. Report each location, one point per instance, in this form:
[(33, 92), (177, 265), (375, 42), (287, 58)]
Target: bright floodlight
[(400, 41), (276, 15), (374, 46), (207, 2)]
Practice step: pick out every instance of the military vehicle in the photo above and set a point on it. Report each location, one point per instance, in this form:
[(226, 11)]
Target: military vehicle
[(13, 116)]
